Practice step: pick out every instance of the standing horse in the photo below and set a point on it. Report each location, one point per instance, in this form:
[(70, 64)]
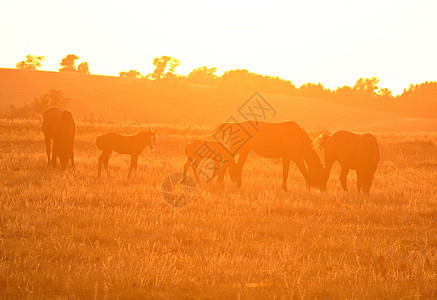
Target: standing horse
[(58, 125), (130, 144), (222, 159), (285, 140), (358, 152)]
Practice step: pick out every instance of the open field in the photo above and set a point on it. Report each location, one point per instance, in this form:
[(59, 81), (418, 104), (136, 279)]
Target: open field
[(73, 234)]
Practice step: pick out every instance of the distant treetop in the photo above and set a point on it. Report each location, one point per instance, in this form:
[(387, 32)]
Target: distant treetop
[(68, 64), (31, 63), (165, 67), (131, 74)]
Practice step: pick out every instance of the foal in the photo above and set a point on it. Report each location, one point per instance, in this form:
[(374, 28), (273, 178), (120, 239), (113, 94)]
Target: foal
[(198, 150), (130, 144)]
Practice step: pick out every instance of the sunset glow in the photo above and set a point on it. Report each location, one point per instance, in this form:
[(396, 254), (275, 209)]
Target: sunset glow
[(218, 149), (332, 42)]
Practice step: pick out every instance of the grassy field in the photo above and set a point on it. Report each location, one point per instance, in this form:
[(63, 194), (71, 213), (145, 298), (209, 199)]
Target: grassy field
[(72, 234)]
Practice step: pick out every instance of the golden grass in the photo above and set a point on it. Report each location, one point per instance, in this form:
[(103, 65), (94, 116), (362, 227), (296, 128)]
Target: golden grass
[(71, 234)]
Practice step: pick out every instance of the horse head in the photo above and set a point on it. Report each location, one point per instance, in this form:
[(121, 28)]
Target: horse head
[(323, 180), (316, 179), (316, 172)]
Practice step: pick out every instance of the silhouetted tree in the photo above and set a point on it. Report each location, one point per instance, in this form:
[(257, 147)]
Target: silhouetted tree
[(243, 79), (83, 67), (52, 98), (424, 91), (316, 91), (165, 66), (385, 92), (419, 99), (131, 74), (31, 63), (202, 75), (344, 95), (366, 94), (173, 64), (240, 78), (68, 64), (367, 86)]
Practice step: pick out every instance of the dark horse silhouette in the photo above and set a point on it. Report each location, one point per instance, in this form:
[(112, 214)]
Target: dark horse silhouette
[(130, 144), (58, 125), (358, 152), (213, 150), (285, 140)]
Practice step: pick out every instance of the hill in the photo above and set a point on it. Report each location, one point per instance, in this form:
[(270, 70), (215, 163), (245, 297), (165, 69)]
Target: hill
[(114, 98)]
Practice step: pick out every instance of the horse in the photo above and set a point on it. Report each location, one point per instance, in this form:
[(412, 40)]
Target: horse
[(222, 159), (358, 152), (286, 140), (58, 125), (123, 144)]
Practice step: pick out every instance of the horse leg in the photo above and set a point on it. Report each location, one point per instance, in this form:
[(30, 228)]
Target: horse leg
[(184, 174), (54, 155), (285, 170), (72, 154), (222, 171), (106, 162), (47, 140), (133, 164), (303, 169), (359, 180), (343, 177), (99, 165), (136, 163), (217, 172), (216, 166), (241, 160), (103, 161), (327, 171), (194, 168), (72, 159)]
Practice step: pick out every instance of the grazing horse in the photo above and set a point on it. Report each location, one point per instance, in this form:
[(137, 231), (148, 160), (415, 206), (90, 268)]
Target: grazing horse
[(222, 159), (285, 140), (58, 125), (130, 144), (358, 152)]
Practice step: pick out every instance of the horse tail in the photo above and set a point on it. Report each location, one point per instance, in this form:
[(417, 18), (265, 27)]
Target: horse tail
[(67, 121), (374, 148), (377, 155), (320, 142)]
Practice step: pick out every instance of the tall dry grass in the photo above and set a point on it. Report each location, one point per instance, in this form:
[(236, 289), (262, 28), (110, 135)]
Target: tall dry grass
[(72, 234)]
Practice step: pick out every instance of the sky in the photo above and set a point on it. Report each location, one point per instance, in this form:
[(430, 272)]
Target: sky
[(333, 42)]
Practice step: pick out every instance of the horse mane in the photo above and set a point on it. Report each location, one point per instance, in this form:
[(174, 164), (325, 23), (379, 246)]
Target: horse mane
[(320, 142), (218, 128)]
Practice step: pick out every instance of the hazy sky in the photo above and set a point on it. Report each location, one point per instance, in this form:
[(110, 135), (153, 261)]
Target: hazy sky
[(332, 42)]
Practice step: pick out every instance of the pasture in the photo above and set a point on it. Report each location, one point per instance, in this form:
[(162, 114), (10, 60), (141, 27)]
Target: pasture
[(72, 234)]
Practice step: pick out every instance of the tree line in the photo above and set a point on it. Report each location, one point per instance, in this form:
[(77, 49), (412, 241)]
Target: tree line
[(417, 99), (68, 64)]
